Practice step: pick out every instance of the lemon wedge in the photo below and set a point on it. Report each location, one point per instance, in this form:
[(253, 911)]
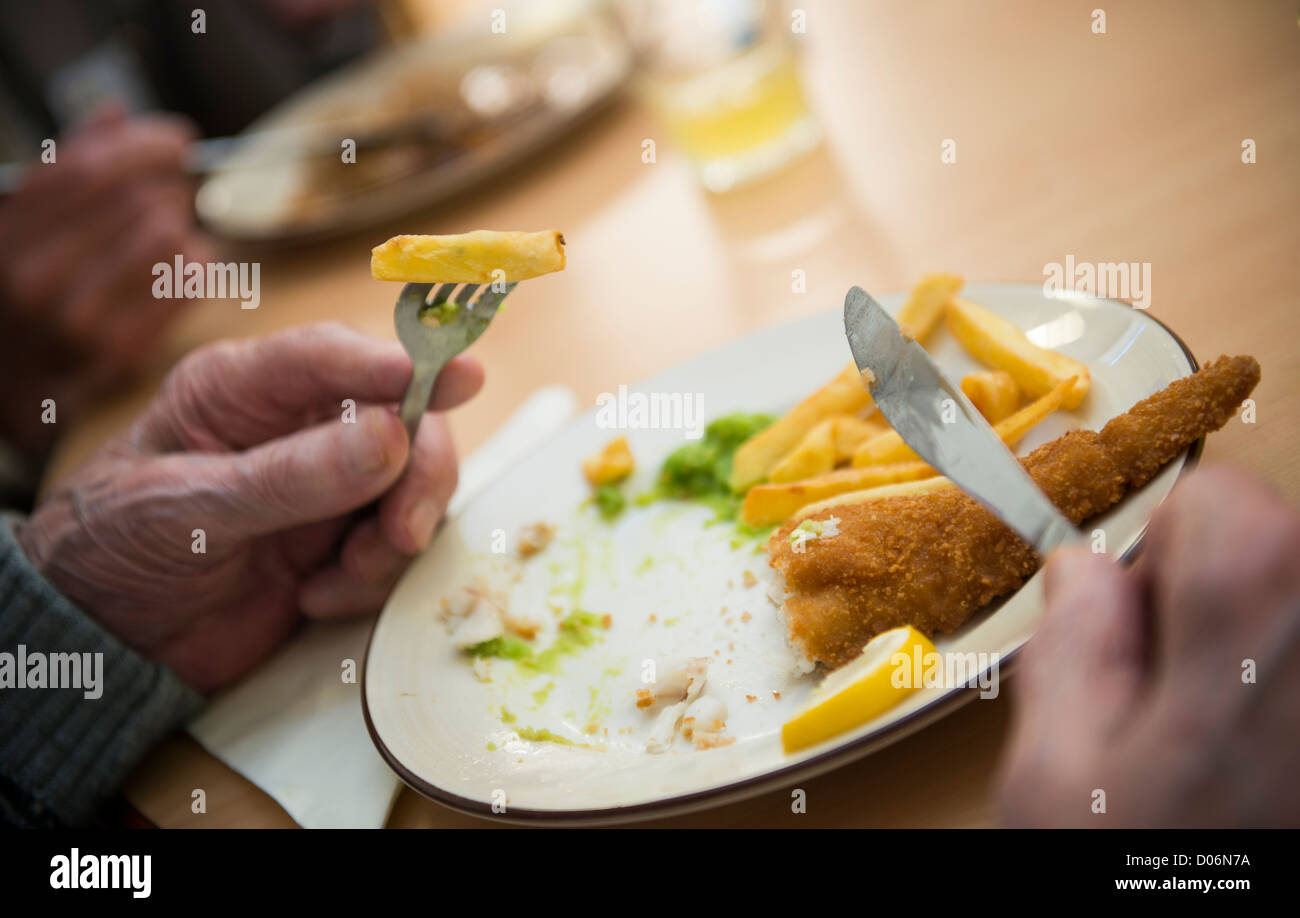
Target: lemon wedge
[(854, 694)]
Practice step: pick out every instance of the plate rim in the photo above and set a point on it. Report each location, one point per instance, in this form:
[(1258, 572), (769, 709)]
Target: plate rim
[(746, 788)]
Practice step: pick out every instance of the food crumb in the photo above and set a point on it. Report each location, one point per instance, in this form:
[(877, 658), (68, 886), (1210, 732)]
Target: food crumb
[(751, 698), (644, 698), (775, 693), (749, 579), (612, 464), (523, 627), (533, 538), (745, 616), (712, 740)]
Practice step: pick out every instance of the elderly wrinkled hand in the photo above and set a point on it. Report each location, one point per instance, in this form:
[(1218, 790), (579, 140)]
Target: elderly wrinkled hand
[(1173, 688), (245, 497)]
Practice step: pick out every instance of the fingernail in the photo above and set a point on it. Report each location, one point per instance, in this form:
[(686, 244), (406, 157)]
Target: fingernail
[(421, 519), (367, 449)]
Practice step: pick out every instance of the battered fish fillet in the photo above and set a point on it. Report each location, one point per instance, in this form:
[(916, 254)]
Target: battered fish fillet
[(933, 560)]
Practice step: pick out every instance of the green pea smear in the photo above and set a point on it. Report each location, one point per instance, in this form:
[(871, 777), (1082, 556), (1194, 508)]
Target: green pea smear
[(699, 472)]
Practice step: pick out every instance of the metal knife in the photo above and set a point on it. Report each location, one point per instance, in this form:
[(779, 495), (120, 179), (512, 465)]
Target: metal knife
[(936, 420)]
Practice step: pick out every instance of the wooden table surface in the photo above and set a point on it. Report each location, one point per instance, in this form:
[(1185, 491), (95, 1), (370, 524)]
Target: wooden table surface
[(1125, 146)]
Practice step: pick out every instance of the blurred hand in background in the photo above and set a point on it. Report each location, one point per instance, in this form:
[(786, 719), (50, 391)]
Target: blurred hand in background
[(78, 242)]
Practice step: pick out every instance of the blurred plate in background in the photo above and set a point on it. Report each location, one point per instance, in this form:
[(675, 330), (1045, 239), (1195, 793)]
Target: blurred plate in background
[(429, 118)]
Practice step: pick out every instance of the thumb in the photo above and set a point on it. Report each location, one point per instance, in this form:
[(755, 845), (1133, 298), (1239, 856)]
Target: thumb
[(1086, 663), (312, 475)]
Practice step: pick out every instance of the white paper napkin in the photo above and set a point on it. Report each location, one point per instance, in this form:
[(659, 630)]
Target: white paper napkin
[(294, 727)]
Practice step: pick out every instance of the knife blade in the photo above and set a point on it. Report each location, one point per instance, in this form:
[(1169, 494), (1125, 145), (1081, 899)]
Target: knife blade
[(936, 420)]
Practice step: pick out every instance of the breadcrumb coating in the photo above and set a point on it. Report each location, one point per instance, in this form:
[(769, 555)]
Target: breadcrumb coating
[(933, 560)]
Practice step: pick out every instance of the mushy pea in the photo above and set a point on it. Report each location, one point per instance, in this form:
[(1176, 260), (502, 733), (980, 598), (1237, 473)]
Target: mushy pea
[(576, 631), (699, 471)]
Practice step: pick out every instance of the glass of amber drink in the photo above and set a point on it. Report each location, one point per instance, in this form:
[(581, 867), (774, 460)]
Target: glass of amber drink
[(722, 76)]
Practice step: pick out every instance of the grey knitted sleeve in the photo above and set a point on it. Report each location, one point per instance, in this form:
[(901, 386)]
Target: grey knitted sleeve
[(62, 753)]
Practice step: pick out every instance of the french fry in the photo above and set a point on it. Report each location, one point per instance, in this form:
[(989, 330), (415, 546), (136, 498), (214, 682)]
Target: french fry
[(812, 455), (755, 458), (766, 504), (613, 463), (884, 449), (993, 392), (828, 444), (1012, 429), (993, 340), (902, 489), (468, 258), (925, 304), (853, 433), (889, 447)]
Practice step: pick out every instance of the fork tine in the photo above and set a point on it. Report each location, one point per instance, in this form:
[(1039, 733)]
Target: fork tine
[(432, 345), (491, 298), (414, 293), (486, 304), (406, 315)]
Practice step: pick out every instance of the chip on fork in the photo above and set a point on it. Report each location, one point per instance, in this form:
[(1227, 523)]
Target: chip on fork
[(435, 322)]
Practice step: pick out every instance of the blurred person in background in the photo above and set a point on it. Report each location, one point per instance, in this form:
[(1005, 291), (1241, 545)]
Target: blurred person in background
[(79, 235), (60, 60)]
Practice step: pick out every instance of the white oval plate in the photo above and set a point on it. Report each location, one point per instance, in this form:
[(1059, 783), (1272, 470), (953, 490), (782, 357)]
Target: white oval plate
[(456, 739)]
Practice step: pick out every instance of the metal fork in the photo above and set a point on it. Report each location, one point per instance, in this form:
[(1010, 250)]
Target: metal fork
[(431, 345)]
